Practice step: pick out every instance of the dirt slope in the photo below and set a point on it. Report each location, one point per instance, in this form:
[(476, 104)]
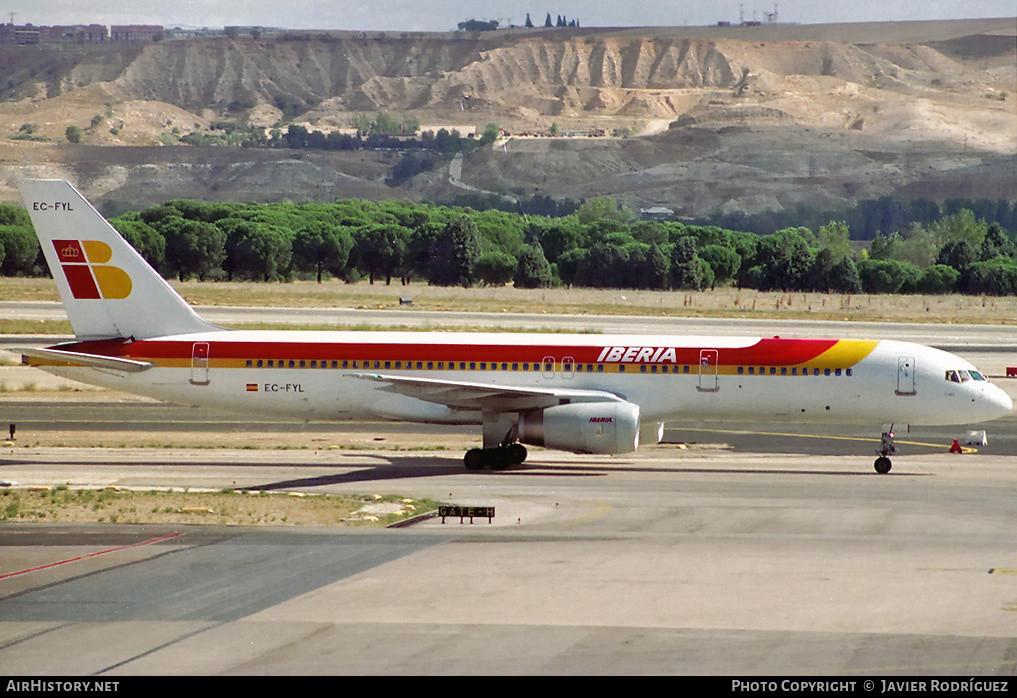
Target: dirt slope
[(741, 119)]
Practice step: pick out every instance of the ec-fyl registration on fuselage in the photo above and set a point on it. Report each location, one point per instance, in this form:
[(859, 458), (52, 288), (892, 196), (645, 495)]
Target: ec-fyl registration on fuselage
[(582, 393)]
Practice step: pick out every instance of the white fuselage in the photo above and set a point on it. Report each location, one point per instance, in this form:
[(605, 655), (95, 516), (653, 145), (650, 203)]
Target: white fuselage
[(318, 375)]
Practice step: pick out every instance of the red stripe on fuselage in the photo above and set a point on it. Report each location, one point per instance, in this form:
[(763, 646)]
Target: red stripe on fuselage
[(776, 352), (768, 352)]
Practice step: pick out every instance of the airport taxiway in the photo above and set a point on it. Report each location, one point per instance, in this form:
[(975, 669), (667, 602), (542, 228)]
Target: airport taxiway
[(933, 334), (666, 561)]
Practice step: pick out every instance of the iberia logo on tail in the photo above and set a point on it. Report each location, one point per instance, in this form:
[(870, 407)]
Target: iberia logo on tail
[(85, 267)]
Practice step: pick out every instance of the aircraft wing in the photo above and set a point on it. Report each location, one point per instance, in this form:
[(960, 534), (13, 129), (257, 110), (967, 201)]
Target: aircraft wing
[(73, 358), (484, 396)]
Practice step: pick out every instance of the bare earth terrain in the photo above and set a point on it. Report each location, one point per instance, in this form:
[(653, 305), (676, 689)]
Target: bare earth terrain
[(721, 302), (733, 119)]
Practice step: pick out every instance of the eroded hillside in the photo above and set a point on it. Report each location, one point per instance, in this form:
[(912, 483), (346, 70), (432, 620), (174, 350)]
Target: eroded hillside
[(733, 121)]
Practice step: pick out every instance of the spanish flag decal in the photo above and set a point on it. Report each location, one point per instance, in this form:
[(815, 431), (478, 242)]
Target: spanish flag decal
[(252, 387), (84, 263)]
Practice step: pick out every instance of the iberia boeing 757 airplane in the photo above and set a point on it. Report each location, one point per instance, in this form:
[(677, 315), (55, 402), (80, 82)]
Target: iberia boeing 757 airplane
[(582, 393)]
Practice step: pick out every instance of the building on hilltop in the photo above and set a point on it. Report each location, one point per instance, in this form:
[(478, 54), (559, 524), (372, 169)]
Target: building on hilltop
[(31, 35), (656, 213), (87, 33), (134, 33)]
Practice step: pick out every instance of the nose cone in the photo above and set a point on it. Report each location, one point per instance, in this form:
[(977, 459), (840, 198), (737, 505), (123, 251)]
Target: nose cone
[(998, 402)]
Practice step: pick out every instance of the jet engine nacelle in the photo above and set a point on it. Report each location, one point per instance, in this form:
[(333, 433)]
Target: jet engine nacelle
[(583, 427)]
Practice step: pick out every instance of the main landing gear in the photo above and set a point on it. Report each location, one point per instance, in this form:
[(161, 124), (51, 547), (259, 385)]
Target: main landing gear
[(501, 446), (497, 458), (886, 449)]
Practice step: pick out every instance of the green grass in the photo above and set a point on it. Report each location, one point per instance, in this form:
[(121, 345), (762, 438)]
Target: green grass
[(55, 327), (225, 507), (63, 327), (724, 302)]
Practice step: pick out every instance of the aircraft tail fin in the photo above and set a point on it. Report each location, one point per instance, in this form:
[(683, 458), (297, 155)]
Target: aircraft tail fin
[(107, 288)]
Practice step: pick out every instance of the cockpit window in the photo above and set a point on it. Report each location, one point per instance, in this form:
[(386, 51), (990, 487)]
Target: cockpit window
[(963, 376)]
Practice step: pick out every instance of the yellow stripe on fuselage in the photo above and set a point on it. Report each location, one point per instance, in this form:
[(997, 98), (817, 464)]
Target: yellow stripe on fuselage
[(844, 354)]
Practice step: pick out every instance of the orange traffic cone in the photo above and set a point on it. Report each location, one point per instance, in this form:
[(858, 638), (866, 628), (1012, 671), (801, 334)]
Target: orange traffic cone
[(956, 447)]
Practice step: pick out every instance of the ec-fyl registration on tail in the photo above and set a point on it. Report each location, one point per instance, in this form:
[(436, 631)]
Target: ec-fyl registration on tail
[(582, 393)]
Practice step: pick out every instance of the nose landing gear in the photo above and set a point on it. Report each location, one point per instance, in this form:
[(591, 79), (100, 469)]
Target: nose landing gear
[(886, 449)]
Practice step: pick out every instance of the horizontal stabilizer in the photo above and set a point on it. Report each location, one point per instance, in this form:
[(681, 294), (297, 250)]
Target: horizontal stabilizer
[(73, 358)]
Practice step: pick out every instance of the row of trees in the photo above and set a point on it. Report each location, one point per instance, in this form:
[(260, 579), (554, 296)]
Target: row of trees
[(562, 21), (871, 217), (349, 240), (419, 153), (19, 247), (478, 25), (383, 132), (956, 253), (598, 245)]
